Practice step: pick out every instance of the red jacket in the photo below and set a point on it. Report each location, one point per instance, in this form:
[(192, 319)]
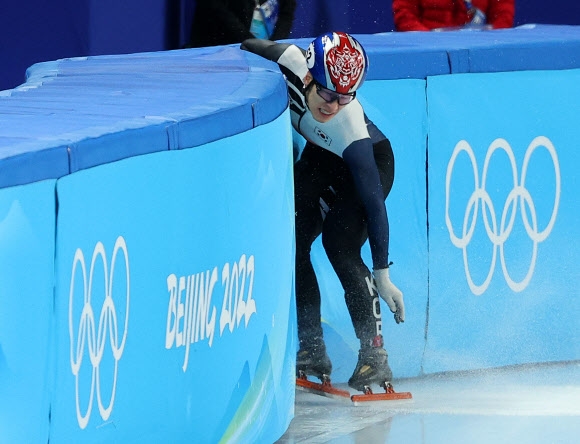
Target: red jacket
[(424, 15)]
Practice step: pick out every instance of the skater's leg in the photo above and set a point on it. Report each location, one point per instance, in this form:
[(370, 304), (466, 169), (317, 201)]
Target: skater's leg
[(311, 178), (343, 235), (308, 184), (312, 358)]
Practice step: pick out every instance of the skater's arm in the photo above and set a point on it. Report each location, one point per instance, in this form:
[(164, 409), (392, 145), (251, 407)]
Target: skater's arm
[(361, 162), (265, 48), (360, 159)]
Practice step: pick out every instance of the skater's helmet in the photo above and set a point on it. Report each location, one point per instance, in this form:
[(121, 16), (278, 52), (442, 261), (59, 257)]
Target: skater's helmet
[(337, 61)]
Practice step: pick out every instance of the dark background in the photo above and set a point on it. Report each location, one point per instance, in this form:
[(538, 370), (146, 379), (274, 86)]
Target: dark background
[(34, 31)]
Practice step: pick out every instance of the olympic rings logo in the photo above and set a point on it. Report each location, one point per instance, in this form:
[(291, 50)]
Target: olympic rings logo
[(92, 335), (518, 195)]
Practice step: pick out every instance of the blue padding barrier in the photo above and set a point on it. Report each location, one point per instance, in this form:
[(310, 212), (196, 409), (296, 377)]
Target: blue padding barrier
[(143, 103), (502, 212), (193, 312), (146, 226)]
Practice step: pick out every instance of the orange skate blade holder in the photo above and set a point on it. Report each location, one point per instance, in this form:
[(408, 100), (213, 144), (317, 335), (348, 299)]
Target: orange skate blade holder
[(324, 388), (388, 395)]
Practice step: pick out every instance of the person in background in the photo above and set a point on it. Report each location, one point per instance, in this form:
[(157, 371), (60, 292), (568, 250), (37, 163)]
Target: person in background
[(341, 180), (427, 15), (223, 22)]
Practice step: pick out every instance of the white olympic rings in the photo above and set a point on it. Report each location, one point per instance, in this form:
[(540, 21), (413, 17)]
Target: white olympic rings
[(519, 193), (95, 337)]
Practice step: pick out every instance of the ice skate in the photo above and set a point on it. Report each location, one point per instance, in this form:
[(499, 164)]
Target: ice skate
[(313, 361), (372, 368)]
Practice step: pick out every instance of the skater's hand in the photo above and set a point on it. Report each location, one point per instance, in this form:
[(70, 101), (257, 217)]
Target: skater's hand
[(390, 294)]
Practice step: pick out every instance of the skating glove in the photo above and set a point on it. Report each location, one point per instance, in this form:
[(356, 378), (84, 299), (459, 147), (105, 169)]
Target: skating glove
[(390, 294)]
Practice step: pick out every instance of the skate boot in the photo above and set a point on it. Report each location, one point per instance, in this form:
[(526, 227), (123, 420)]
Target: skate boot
[(312, 360), (372, 367)]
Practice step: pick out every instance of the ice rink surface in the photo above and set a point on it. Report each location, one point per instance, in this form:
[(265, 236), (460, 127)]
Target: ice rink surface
[(521, 404)]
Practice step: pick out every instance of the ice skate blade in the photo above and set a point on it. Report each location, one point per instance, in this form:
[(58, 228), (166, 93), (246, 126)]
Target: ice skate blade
[(374, 397), (323, 389)]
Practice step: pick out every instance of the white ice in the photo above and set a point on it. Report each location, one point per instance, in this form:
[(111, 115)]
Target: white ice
[(522, 404)]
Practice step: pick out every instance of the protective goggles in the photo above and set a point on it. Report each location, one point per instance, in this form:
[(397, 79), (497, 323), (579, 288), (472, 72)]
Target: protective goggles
[(330, 96)]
